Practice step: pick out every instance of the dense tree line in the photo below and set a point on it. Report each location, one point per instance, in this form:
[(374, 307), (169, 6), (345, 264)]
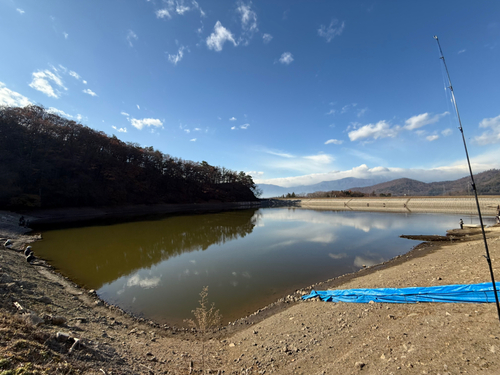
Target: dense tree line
[(336, 194), (50, 161)]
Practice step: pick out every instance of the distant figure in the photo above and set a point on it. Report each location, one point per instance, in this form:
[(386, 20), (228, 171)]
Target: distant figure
[(7, 244), (30, 258), (461, 224), (28, 251), (22, 221), (498, 219)]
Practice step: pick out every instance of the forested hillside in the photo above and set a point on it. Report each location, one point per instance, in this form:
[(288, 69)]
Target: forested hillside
[(49, 161)]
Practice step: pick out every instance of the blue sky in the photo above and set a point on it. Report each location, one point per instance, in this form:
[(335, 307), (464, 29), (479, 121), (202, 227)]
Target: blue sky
[(291, 92)]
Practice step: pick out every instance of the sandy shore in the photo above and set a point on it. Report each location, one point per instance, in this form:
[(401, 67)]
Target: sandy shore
[(289, 337)]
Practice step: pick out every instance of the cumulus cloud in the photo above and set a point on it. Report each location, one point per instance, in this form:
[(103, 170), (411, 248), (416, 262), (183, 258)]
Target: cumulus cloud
[(266, 38), (431, 138), (11, 98), (244, 127), (139, 124), (74, 74), (423, 119), (333, 30), (492, 135), (181, 8), (334, 141), (446, 132), (446, 172), (120, 130), (220, 36), (381, 129), (232, 119), (163, 13), (43, 81), (131, 37), (90, 92), (286, 58), (174, 59)]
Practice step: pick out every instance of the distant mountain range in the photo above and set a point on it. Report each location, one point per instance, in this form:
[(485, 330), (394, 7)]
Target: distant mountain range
[(487, 182)]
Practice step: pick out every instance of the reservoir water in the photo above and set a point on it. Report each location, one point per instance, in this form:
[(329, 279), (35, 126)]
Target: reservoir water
[(250, 258)]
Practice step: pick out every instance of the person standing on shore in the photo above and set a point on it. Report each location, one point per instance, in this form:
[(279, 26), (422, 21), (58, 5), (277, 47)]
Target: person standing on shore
[(461, 222)]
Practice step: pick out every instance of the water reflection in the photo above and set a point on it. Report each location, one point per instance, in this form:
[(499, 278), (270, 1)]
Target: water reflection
[(248, 258)]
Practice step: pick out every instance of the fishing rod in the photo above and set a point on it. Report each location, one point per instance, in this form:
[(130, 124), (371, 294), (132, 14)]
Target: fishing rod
[(473, 184)]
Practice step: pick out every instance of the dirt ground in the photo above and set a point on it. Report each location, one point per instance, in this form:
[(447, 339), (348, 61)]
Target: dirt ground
[(58, 327)]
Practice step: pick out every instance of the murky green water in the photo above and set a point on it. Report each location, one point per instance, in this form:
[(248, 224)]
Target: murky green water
[(248, 259)]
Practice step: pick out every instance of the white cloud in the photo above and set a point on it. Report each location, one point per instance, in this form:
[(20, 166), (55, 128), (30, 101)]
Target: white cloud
[(120, 130), (181, 9), (131, 36), (446, 132), (138, 106), (331, 112), (58, 112), (139, 124), (320, 159), (333, 30), (461, 51), (79, 117), (255, 174), (197, 129), (196, 6), (174, 59), (233, 127), (286, 58), (431, 138), (192, 140), (124, 114), (381, 129), (248, 21), (280, 154), (334, 141), (74, 74), (244, 126), (493, 134), (66, 35), (361, 112), (84, 82), (162, 13), (11, 98), (42, 82), (266, 38), (423, 119), (20, 10), (90, 92), (347, 107), (232, 119), (220, 35)]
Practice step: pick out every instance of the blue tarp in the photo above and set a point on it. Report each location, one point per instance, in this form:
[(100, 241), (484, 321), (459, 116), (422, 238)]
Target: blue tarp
[(469, 293)]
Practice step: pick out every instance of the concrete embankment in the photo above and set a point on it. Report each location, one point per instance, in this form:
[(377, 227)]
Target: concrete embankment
[(465, 205)]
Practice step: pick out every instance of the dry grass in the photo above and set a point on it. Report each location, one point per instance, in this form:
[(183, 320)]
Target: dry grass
[(206, 318)]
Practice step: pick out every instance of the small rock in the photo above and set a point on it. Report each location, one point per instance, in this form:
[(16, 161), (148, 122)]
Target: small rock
[(58, 320), (232, 345), (359, 365), (33, 319)]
